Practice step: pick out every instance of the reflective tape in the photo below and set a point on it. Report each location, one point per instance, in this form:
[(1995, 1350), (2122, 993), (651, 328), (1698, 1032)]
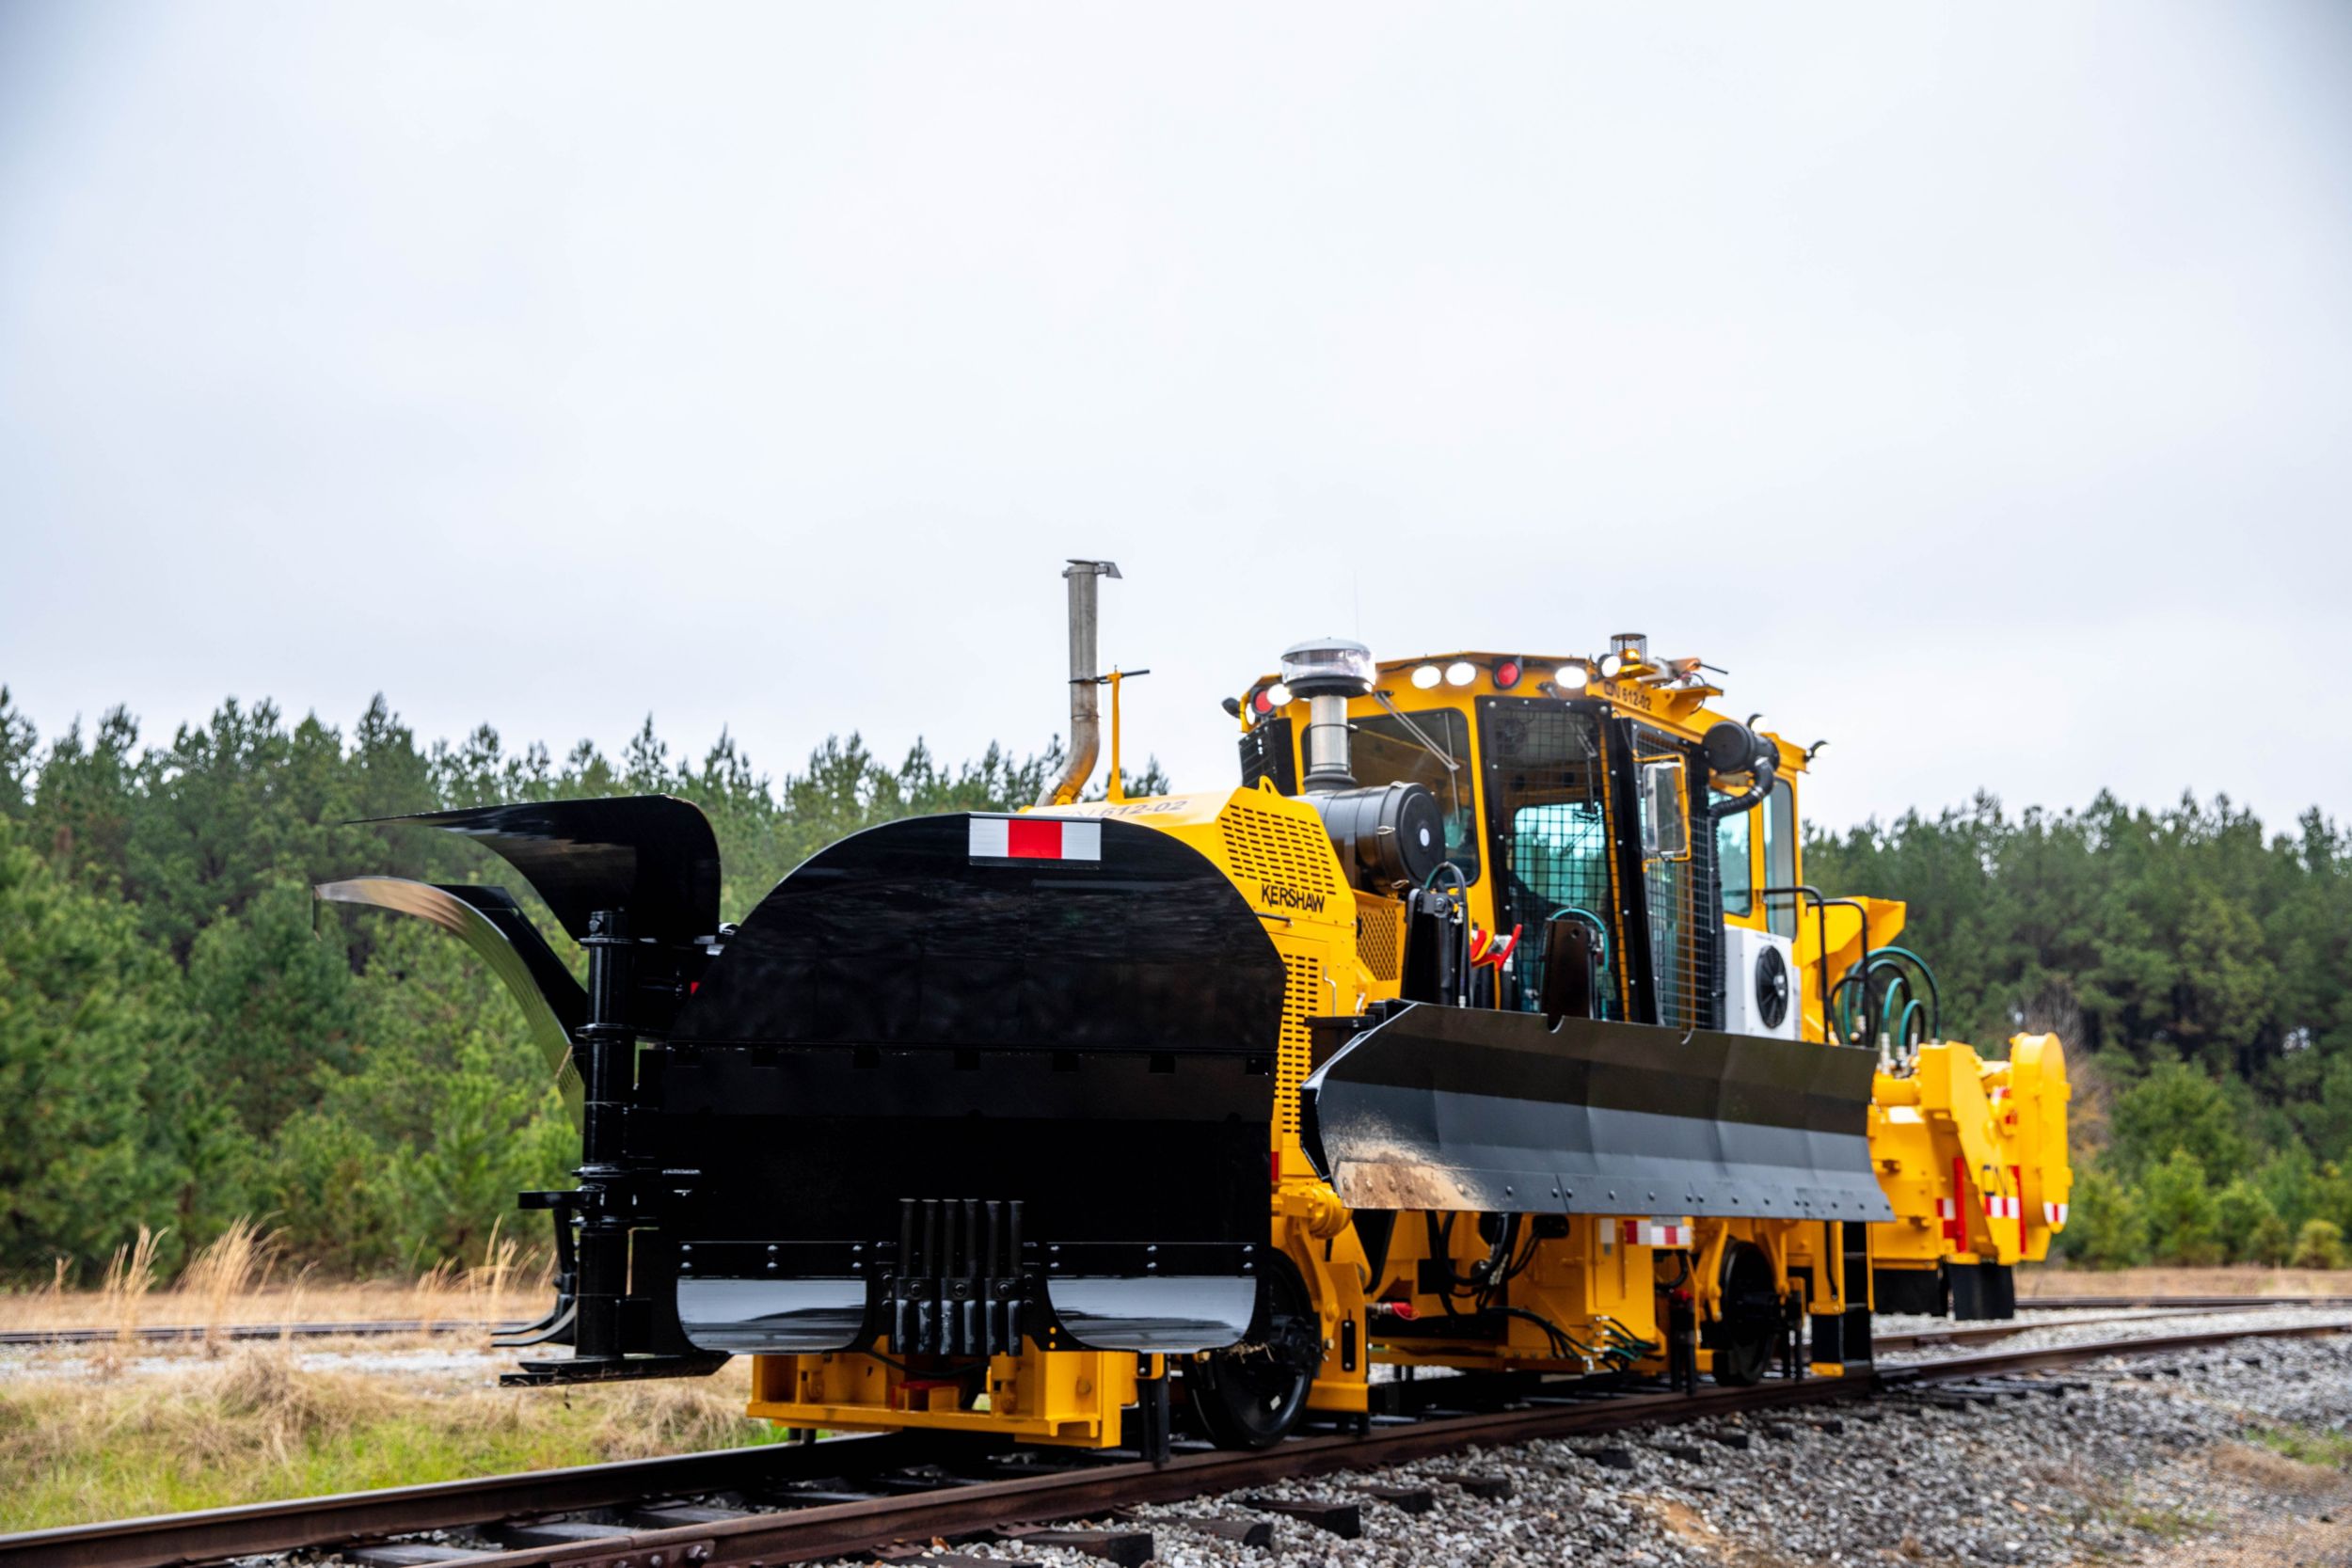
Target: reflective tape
[(1035, 838)]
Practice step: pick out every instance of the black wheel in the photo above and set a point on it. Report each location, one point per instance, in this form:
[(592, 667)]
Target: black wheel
[(1744, 1338), (1249, 1395)]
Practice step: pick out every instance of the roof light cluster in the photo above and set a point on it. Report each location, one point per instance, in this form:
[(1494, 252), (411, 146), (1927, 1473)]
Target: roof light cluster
[(1504, 672), (1628, 659)]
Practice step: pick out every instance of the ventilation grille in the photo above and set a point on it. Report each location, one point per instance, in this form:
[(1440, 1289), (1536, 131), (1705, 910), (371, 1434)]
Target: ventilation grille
[(1262, 845), (1381, 935), (1302, 987)]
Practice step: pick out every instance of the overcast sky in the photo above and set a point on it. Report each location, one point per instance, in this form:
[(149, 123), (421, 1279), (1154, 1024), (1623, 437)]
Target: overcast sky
[(1973, 383)]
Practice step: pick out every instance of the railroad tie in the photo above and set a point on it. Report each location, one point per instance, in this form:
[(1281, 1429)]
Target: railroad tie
[(555, 1532), (405, 1554), (1129, 1548), (1242, 1532), (1490, 1488), (680, 1516), (1407, 1499), (1344, 1520)]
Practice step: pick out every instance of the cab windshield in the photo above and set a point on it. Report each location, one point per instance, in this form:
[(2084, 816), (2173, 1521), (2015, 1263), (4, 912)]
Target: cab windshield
[(1430, 749)]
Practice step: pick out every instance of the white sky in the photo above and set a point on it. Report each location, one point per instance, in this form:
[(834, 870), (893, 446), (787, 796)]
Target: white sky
[(1975, 382)]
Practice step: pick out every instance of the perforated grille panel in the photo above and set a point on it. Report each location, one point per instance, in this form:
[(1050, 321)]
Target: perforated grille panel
[(1679, 945), (1672, 945), (1302, 985), (1264, 846), (1381, 935)]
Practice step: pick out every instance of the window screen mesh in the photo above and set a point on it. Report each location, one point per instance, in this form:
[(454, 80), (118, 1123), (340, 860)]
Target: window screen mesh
[(1674, 944), (1547, 820)]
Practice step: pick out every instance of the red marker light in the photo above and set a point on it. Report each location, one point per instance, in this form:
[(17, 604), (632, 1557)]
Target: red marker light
[(1507, 675), (1259, 702)]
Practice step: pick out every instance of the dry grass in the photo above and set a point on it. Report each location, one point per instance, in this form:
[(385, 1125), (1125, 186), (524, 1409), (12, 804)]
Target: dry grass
[(244, 1277), (240, 1258), (257, 1426), (2246, 1281), (129, 1275)]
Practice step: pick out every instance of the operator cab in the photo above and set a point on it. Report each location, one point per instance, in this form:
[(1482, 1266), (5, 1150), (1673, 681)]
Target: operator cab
[(1597, 792)]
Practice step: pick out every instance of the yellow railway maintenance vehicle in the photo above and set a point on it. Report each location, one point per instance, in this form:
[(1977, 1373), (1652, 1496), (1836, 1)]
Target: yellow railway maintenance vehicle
[(1488, 1026)]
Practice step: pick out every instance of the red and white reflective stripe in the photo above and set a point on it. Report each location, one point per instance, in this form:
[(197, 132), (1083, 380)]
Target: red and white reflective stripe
[(1999, 1207), (1036, 838), (1999, 1094), (2054, 1214), (1948, 1208), (1656, 1233)]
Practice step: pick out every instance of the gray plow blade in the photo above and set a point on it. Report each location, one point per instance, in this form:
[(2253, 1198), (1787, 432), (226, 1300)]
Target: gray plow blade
[(1462, 1108)]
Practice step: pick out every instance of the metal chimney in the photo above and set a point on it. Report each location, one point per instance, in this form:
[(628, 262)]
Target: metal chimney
[(1085, 720)]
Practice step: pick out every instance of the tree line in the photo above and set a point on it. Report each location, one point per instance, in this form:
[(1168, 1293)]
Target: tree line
[(2196, 967), (184, 1039)]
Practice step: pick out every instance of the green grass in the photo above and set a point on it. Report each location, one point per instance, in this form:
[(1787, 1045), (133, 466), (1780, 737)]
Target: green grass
[(257, 1429), (2308, 1446)]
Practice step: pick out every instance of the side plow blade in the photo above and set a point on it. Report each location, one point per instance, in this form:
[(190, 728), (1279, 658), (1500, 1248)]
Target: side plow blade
[(1448, 1108)]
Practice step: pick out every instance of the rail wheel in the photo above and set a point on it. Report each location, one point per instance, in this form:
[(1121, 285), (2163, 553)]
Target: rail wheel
[(1744, 1335), (1249, 1395)]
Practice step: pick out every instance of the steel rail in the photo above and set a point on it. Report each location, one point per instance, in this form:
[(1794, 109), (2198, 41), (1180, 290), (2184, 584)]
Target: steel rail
[(2062, 1304), (184, 1333), (374, 1327), (1973, 1333), (254, 1529), (833, 1529)]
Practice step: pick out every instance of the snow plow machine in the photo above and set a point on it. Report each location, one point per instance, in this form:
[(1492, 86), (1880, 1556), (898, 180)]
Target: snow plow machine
[(1488, 1026)]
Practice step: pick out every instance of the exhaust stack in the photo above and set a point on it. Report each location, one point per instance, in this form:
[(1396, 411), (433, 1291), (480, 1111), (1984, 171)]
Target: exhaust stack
[(1086, 714), (1327, 672)]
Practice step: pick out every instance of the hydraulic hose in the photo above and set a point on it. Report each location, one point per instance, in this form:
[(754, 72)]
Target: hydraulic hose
[(1900, 1003)]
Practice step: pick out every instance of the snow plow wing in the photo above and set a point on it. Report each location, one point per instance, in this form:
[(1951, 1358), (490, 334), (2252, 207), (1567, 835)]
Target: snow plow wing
[(1450, 1108)]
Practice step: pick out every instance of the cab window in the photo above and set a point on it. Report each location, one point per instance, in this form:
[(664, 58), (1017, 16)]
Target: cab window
[(1417, 749), (1733, 843), (1780, 856)]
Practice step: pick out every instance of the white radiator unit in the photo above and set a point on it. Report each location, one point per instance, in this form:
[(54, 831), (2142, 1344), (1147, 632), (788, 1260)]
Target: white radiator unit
[(1760, 984)]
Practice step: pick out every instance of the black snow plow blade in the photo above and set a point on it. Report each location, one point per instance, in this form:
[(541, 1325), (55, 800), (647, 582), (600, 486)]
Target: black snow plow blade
[(1450, 1108), (962, 1080)]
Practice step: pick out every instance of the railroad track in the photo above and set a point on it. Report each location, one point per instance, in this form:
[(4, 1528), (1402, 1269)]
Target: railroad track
[(1980, 1333), (374, 1328), (2207, 1304), (175, 1334), (864, 1494)]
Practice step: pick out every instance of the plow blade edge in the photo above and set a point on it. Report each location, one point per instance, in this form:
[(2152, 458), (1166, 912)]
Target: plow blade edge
[(1448, 1108)]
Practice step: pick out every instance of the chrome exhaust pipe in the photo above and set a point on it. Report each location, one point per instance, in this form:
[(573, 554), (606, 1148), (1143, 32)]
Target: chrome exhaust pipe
[(1086, 711)]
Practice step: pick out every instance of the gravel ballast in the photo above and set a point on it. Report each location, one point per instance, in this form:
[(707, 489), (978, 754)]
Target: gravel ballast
[(2172, 1459)]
